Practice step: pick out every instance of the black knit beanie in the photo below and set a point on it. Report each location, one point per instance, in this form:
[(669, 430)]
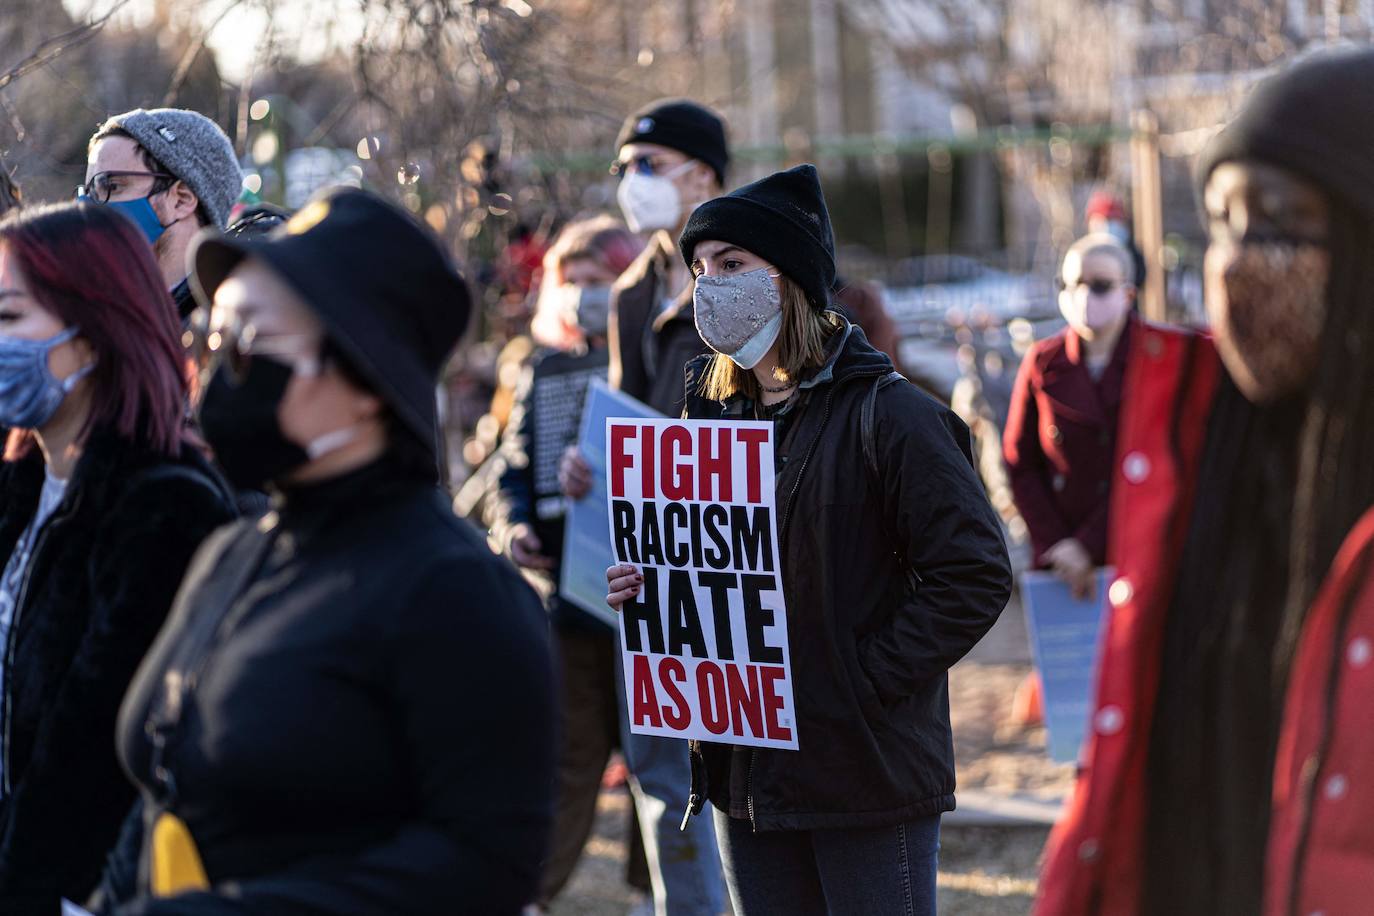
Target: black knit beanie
[(1315, 118), (782, 219), (681, 125)]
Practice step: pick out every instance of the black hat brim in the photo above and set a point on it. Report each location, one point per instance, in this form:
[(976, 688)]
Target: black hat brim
[(405, 386)]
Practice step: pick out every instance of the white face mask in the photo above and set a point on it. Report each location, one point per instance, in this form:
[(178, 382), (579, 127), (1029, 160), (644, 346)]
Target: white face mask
[(1089, 313), (739, 316), (587, 307), (651, 202)]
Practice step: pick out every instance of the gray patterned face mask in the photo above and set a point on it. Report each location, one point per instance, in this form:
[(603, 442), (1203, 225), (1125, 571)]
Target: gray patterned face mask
[(739, 316)]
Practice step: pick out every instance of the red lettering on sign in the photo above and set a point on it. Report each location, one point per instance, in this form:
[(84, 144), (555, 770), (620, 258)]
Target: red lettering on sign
[(676, 465), (620, 459), (753, 440), (745, 702), (714, 466), (646, 449), (670, 673), (772, 703), (715, 705), (645, 697)]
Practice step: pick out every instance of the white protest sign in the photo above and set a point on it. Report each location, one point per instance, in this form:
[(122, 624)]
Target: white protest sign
[(691, 503)]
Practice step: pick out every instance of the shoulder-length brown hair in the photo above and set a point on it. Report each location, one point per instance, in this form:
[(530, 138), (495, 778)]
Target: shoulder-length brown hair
[(801, 349)]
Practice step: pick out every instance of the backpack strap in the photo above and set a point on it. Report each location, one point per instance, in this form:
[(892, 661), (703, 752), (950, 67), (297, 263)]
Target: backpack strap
[(870, 445)]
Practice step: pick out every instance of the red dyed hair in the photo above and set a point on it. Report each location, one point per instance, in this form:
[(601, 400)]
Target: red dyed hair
[(602, 239), (93, 269)]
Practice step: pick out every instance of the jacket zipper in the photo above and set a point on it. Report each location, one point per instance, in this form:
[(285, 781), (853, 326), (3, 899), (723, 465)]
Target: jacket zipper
[(11, 638)]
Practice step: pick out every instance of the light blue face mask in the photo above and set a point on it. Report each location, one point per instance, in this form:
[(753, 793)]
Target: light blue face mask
[(140, 211), (29, 394)]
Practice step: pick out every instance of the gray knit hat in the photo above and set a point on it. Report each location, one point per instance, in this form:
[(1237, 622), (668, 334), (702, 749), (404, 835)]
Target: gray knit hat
[(193, 148)]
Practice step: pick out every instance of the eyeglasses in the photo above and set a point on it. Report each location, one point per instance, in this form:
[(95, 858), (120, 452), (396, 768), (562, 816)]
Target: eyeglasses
[(102, 185), (647, 165), (233, 345), (1095, 286)]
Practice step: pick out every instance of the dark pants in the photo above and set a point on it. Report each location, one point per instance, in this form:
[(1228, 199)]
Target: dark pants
[(874, 871), (590, 730)]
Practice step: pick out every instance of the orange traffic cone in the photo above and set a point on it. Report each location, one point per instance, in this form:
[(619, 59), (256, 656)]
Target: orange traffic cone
[(1026, 707)]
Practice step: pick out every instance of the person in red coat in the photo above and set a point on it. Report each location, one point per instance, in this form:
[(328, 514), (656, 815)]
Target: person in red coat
[(1227, 770), (1061, 427)]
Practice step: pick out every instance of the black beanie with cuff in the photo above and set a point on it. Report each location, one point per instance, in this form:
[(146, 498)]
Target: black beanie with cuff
[(782, 219)]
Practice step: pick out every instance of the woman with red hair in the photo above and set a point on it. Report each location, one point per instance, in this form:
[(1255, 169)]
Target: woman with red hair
[(103, 499)]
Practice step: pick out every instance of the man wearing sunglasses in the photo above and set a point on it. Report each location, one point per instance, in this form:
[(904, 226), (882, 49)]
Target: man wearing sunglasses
[(1061, 428), (172, 172), (672, 158)]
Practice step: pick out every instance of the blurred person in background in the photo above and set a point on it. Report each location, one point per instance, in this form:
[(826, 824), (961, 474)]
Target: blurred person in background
[(1105, 214), (105, 497), (350, 709), (173, 172), (11, 198), (1060, 437), (1232, 701), (570, 322), (672, 158)]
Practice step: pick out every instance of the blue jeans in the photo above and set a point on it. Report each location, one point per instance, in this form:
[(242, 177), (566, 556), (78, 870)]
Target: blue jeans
[(874, 871), (684, 865)]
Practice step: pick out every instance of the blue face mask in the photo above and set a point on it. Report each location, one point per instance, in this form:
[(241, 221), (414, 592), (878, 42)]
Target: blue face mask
[(141, 212), (29, 394)]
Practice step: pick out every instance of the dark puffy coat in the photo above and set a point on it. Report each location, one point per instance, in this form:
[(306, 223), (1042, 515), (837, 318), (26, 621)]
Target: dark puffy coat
[(650, 350), (870, 646), (102, 576), (351, 708)]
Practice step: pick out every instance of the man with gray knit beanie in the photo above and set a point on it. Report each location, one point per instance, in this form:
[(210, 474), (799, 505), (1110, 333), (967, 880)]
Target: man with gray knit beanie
[(172, 172)]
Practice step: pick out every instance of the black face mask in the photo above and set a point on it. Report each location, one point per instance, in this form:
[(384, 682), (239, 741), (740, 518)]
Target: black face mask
[(239, 421)]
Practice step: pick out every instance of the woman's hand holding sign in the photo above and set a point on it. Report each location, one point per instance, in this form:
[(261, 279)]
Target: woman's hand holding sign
[(622, 583)]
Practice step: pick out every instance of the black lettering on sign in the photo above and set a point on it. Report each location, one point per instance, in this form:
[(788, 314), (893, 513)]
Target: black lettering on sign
[(753, 538), (644, 610), (684, 624), (757, 617), (714, 517), (623, 521), (650, 540), (675, 545), (720, 585)]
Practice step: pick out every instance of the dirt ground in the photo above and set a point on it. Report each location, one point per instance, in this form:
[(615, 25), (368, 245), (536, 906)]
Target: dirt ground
[(984, 870)]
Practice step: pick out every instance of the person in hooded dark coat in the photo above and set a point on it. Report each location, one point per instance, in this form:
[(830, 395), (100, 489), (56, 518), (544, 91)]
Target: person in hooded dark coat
[(104, 497), (893, 567), (351, 708)]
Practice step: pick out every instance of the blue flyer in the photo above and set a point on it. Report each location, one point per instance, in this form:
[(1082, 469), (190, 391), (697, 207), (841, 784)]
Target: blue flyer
[(587, 532), (1065, 634)]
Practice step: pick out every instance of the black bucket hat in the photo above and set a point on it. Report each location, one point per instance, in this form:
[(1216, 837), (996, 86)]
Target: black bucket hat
[(387, 294)]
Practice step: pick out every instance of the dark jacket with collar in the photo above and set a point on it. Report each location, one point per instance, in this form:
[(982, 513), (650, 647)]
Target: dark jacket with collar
[(650, 350), (354, 704), (870, 644), (1060, 441), (101, 578)]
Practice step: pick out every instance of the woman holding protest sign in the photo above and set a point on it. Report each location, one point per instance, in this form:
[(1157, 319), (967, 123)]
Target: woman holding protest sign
[(893, 566)]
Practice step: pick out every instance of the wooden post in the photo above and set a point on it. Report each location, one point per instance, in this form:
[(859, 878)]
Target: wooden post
[(1147, 205)]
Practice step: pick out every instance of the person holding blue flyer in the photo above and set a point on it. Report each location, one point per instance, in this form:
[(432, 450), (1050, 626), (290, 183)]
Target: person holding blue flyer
[(529, 516), (893, 567)]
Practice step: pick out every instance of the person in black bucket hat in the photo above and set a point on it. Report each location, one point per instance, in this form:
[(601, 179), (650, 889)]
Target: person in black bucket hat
[(893, 566), (351, 709)]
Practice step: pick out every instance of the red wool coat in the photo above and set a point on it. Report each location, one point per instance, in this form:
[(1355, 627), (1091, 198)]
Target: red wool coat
[(1321, 846), (1059, 441)]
